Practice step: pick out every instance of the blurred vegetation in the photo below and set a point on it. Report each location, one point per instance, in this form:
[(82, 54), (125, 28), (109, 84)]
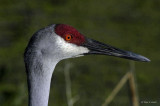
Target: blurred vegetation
[(128, 24)]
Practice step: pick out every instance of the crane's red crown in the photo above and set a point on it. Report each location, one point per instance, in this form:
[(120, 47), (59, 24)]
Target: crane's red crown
[(69, 34)]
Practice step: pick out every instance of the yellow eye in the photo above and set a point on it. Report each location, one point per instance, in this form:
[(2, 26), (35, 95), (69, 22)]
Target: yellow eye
[(68, 37)]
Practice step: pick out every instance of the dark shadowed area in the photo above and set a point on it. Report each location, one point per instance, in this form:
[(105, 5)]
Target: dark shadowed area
[(132, 25)]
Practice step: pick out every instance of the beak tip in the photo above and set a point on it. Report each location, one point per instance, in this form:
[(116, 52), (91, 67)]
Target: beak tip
[(144, 59), (137, 57), (147, 60)]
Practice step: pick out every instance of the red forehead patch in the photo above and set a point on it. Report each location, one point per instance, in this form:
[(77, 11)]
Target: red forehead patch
[(63, 30)]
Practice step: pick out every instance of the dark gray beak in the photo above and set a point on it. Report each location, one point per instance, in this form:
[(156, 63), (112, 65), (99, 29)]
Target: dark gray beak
[(96, 47)]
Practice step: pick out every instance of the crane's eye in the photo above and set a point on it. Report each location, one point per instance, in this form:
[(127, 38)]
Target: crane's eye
[(68, 37)]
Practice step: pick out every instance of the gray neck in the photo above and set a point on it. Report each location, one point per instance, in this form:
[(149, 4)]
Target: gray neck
[(39, 79)]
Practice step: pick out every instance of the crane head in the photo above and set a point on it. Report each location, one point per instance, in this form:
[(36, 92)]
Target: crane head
[(60, 41)]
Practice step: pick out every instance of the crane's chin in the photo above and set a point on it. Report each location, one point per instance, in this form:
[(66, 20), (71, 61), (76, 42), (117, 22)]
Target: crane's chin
[(80, 55)]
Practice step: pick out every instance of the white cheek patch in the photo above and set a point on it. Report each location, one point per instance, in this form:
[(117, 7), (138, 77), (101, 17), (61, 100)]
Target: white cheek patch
[(70, 50)]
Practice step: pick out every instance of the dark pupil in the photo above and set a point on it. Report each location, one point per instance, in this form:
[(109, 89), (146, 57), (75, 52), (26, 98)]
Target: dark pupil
[(68, 37)]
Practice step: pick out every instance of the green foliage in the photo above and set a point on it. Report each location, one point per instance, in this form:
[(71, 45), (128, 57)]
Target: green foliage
[(128, 24)]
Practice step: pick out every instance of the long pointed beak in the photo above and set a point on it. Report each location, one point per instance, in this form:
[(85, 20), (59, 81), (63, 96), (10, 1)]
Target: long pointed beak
[(96, 47)]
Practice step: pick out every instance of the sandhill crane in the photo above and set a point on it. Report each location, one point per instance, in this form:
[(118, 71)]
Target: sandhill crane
[(54, 43)]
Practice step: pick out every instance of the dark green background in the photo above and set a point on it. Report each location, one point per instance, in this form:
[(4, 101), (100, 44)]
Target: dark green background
[(128, 24)]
